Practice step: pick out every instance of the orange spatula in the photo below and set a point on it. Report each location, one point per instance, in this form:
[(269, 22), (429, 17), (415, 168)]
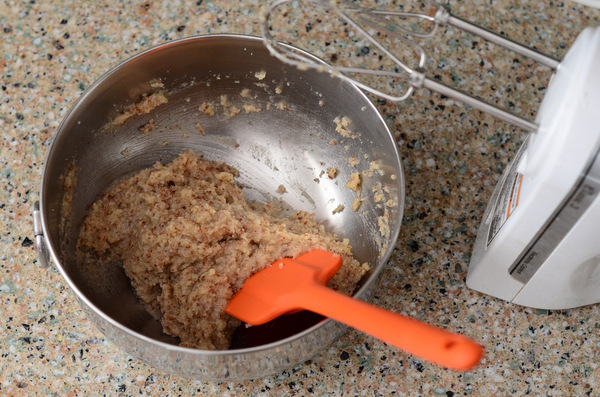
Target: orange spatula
[(294, 284)]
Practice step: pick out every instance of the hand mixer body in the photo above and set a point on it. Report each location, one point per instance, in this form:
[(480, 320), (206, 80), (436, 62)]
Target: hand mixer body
[(539, 242)]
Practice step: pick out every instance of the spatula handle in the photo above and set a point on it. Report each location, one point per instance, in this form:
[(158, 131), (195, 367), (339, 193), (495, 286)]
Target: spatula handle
[(433, 344)]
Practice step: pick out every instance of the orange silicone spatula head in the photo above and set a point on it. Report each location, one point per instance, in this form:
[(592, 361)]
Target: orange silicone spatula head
[(273, 291), (294, 284)]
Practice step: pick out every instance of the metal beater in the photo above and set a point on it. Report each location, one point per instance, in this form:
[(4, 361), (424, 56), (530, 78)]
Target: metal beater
[(359, 18)]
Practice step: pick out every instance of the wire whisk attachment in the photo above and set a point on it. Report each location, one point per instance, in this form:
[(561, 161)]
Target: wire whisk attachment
[(376, 26)]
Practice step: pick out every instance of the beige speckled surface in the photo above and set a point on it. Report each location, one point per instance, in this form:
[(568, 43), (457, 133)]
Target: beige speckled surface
[(51, 50)]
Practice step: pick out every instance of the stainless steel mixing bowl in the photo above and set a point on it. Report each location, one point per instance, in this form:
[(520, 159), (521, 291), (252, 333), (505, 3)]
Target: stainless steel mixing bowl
[(291, 141)]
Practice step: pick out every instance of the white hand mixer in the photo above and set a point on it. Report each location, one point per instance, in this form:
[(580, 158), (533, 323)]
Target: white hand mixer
[(539, 242)]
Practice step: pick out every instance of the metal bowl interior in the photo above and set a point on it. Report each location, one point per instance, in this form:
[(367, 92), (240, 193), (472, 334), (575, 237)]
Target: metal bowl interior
[(291, 141)]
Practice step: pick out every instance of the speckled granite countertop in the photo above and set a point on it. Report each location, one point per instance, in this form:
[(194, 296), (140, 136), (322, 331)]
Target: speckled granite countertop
[(50, 51)]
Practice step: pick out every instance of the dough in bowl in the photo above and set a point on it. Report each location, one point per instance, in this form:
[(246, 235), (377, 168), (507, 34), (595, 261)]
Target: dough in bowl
[(188, 239)]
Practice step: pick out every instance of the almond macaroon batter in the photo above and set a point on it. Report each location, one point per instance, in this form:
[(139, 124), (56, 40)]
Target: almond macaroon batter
[(188, 240)]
